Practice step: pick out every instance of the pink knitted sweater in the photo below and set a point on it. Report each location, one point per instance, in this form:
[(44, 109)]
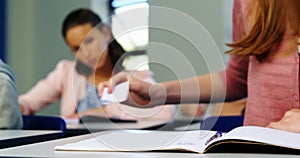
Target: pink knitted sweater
[(271, 86)]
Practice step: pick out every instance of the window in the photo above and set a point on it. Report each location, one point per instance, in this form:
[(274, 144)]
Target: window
[(130, 23)]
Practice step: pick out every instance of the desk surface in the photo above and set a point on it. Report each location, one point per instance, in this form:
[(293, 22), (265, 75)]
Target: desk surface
[(13, 134), (9, 138), (74, 129), (46, 149)]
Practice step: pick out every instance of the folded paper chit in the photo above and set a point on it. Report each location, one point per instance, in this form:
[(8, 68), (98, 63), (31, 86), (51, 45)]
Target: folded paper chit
[(119, 94)]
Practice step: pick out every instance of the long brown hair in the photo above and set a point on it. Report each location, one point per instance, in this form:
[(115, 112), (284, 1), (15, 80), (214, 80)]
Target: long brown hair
[(270, 21)]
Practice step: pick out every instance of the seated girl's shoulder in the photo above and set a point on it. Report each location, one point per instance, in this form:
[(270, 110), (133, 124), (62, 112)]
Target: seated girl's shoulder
[(65, 64)]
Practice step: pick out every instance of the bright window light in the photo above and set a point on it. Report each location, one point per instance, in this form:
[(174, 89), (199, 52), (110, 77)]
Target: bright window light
[(121, 3), (130, 26)]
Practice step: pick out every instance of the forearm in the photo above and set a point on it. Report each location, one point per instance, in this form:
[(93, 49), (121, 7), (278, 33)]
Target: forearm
[(38, 97), (205, 88)]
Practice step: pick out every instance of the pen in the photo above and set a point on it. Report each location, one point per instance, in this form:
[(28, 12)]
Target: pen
[(215, 136)]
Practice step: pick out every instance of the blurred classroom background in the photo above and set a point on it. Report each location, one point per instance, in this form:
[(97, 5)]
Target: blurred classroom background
[(32, 42)]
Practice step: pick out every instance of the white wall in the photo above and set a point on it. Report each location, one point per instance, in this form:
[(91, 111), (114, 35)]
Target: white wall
[(176, 45), (35, 43)]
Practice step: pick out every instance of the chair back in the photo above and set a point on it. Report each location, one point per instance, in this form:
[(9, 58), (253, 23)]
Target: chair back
[(32, 122), (222, 123)]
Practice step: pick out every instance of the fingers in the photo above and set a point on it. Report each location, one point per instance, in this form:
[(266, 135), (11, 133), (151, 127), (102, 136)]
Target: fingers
[(281, 126), (275, 125), (101, 87), (117, 79), (289, 122), (112, 82)]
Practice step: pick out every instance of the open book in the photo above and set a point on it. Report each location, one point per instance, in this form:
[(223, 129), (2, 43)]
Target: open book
[(246, 139)]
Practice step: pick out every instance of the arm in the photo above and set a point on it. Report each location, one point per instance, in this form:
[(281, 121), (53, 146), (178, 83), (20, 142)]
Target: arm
[(144, 94), (230, 84), (45, 92), (233, 80), (205, 88)]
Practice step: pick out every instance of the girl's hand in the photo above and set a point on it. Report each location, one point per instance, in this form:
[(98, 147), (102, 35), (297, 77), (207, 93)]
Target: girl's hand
[(289, 122), (141, 94)]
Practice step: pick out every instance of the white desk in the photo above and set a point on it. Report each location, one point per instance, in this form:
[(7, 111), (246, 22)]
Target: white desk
[(46, 149), (9, 138)]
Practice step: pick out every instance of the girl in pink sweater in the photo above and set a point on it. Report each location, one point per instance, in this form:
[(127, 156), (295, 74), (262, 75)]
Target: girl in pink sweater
[(264, 67)]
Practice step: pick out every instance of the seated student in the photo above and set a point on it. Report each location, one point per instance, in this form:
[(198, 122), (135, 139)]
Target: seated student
[(264, 67), (99, 56), (10, 115)]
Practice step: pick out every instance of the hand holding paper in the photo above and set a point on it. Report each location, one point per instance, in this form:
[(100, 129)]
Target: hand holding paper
[(140, 89)]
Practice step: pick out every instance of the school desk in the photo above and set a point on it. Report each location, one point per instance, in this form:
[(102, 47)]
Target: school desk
[(10, 138)]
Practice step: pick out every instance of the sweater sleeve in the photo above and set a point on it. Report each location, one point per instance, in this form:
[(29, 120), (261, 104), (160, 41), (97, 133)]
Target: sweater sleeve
[(46, 91), (235, 76)]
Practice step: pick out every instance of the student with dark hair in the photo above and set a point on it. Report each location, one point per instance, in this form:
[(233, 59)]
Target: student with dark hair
[(98, 57)]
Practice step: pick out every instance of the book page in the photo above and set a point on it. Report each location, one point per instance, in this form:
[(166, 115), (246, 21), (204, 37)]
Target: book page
[(143, 140), (264, 135)]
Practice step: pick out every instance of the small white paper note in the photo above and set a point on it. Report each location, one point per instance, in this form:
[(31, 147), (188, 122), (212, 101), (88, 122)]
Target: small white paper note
[(119, 94)]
